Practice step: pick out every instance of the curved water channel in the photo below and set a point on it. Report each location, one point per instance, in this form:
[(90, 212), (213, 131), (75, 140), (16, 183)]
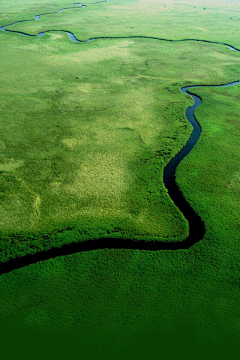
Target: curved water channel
[(196, 226), (73, 37)]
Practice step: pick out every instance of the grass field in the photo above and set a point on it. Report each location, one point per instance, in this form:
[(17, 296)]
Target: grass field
[(87, 151), (86, 131), (165, 19)]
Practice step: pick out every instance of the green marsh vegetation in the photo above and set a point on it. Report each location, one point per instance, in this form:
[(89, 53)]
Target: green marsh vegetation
[(98, 122), (165, 19), (85, 140)]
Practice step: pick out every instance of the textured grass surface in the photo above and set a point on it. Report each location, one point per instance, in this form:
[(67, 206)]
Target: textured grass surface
[(202, 20), (63, 108), (84, 142), (218, 187), (118, 300)]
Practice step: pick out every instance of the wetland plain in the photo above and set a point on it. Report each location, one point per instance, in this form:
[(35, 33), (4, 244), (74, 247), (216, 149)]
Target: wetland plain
[(87, 129)]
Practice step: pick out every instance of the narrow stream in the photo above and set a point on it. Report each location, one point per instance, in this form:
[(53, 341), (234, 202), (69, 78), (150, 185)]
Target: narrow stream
[(73, 37), (196, 226)]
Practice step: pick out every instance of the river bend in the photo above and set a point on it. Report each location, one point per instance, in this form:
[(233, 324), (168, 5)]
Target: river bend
[(196, 226)]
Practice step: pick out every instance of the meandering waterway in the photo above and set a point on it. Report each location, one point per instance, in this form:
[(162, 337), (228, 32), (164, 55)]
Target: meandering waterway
[(196, 226)]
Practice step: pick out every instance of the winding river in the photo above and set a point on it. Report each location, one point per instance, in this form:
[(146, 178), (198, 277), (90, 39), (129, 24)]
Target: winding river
[(196, 226)]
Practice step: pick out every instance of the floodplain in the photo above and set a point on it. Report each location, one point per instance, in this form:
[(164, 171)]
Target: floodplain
[(86, 131)]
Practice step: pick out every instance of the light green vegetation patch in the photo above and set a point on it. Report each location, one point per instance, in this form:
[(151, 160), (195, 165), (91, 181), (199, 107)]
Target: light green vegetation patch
[(19, 205), (90, 128), (17, 10), (164, 19)]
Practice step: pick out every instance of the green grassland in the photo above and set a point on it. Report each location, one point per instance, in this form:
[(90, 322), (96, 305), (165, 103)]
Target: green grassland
[(219, 184), (85, 136), (164, 19), (86, 130), (17, 10), (118, 298)]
